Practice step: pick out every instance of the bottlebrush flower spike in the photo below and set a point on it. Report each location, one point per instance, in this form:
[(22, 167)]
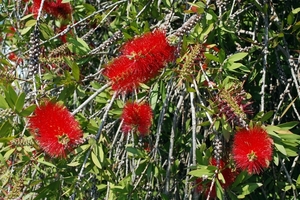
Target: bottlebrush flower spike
[(234, 104), (36, 6), (203, 186), (137, 117), (59, 9), (252, 149), (140, 60), (55, 129)]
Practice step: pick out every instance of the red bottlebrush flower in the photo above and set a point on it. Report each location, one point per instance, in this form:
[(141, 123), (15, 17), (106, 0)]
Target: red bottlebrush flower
[(13, 57), (252, 149), (137, 117), (55, 129), (141, 60), (36, 6), (120, 73), (59, 9), (228, 174)]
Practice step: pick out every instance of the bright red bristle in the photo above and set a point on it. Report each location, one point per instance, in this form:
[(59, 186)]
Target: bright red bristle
[(252, 150), (137, 117), (55, 129), (142, 58)]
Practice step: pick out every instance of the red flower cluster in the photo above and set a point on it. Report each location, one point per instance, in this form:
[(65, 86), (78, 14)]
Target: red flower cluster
[(137, 117), (57, 8), (55, 129), (141, 60), (228, 174), (252, 149)]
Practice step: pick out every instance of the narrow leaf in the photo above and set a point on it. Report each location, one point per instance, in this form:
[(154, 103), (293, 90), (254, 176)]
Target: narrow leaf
[(96, 160), (20, 102), (237, 57)]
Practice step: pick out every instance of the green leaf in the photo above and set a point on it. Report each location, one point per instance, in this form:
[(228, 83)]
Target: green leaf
[(96, 160), (267, 116), (237, 57), (242, 177), (101, 187), (47, 31), (20, 102), (249, 188), (290, 19), (116, 112), (190, 89), (74, 164), (25, 30), (219, 189), (298, 181), (8, 153), (78, 46), (206, 31), (132, 151), (27, 111), (208, 16), (30, 23), (296, 10), (3, 103), (233, 66), (101, 153), (74, 67), (290, 137), (288, 125), (211, 57), (201, 172), (154, 96), (291, 150), (5, 139), (276, 159), (280, 148), (5, 129), (222, 55), (42, 161), (11, 97), (26, 17)]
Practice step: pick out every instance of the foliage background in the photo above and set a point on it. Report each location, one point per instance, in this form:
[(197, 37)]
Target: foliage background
[(256, 48)]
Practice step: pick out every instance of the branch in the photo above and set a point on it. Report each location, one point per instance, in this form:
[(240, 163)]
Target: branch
[(80, 175)]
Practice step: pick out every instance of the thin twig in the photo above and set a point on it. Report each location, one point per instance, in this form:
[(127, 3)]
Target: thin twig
[(171, 148), (91, 98), (80, 175), (161, 116), (265, 62), (289, 178), (192, 96)]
